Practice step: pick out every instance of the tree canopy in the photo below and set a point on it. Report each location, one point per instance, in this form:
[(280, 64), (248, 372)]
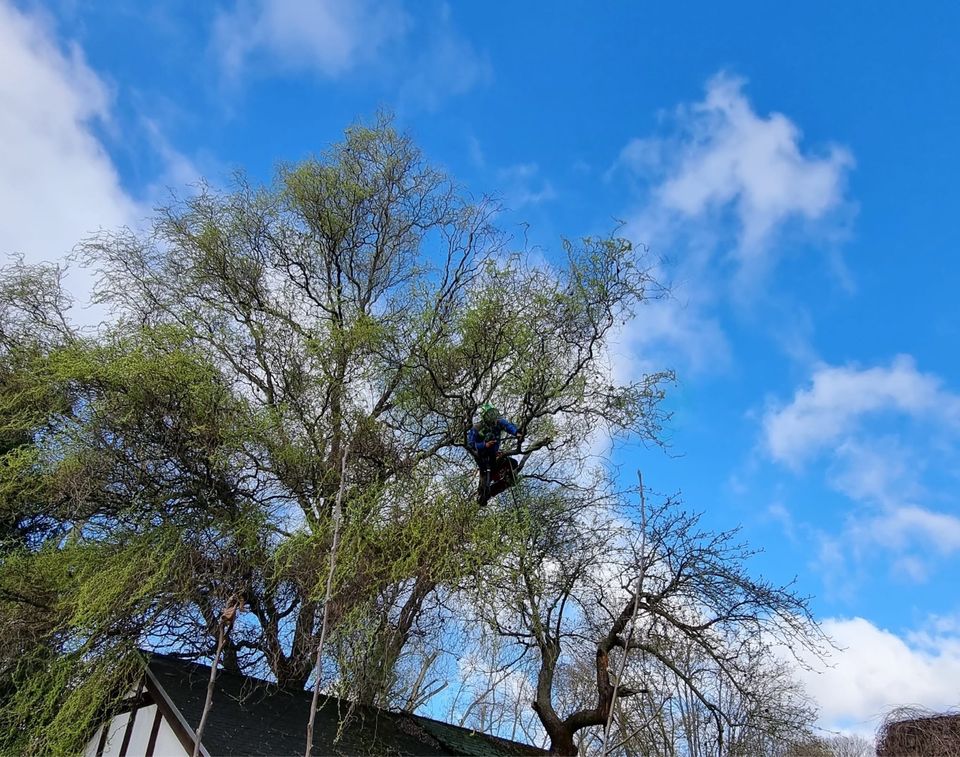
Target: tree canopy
[(294, 364)]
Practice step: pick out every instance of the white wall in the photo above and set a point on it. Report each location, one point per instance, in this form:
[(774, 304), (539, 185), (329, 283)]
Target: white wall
[(115, 735), (167, 743), (141, 732)]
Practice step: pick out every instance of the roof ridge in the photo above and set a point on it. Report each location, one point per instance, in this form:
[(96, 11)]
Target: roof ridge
[(243, 690)]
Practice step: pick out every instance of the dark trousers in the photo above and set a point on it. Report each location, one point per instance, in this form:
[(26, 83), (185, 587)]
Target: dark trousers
[(486, 461)]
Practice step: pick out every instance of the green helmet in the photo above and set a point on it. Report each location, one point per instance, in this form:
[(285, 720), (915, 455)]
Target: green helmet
[(489, 414)]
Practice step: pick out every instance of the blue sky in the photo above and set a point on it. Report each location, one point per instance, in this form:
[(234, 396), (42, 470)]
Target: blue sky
[(793, 169)]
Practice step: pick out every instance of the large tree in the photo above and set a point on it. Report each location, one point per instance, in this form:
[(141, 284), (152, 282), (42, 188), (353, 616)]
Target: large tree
[(276, 414), (633, 621)]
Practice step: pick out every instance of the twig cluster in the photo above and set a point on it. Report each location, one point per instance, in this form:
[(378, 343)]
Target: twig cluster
[(909, 731)]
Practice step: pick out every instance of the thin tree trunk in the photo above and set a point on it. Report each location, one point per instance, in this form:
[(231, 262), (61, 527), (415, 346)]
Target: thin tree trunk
[(633, 617), (223, 632), (318, 671)]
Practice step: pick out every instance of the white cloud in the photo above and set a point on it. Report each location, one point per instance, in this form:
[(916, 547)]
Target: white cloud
[(885, 437), (445, 63), (902, 527), (523, 185), (879, 468), (716, 190), (878, 670), (728, 156), (328, 37), (693, 335), (333, 38), (57, 183), (838, 398)]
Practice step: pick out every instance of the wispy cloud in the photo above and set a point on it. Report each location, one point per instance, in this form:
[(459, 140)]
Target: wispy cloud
[(910, 526), (326, 37), (723, 161), (876, 467), (839, 397), (179, 172), (415, 50), (523, 184), (442, 64), (715, 189), (884, 437), (684, 325)]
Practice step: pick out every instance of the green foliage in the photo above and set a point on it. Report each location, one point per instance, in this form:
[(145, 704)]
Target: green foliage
[(361, 307), (59, 701), (75, 615)]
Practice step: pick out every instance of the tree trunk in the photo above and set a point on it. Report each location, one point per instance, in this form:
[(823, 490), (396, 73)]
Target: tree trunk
[(563, 744)]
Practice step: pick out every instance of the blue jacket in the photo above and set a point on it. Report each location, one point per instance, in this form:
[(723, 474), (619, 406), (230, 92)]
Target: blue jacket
[(478, 436)]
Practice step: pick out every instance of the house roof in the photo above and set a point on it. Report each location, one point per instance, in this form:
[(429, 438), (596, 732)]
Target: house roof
[(254, 717)]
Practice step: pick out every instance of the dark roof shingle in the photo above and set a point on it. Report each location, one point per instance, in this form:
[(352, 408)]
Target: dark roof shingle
[(254, 717)]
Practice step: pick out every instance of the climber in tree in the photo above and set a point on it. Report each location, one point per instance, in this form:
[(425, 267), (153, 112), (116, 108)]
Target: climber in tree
[(483, 440)]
